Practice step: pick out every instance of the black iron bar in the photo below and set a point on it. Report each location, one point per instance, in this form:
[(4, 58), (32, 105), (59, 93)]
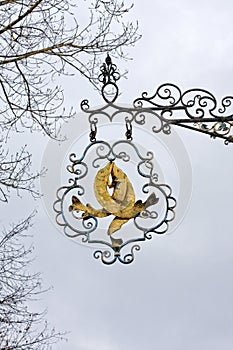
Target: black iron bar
[(199, 120)]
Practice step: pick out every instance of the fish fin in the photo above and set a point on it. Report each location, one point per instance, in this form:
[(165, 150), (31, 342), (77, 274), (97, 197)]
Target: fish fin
[(75, 199), (151, 200), (77, 204), (116, 242), (116, 224)]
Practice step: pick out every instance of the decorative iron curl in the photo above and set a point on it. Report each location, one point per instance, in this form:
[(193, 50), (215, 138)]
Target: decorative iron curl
[(105, 256), (162, 225), (167, 106), (85, 105), (226, 102), (76, 225), (108, 259), (166, 95), (108, 78), (109, 72), (218, 129), (88, 224), (196, 106)]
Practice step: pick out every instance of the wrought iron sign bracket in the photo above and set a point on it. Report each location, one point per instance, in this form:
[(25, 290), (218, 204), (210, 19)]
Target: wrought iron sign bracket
[(195, 109), (132, 214)]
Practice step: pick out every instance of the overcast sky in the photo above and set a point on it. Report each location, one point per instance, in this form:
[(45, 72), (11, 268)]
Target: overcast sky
[(178, 294)]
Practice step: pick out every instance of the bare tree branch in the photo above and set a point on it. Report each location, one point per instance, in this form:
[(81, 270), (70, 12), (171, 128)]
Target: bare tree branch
[(15, 174), (21, 328), (41, 39), (13, 23)]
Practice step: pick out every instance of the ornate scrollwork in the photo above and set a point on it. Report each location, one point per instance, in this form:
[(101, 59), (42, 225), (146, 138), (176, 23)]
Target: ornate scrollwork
[(166, 95), (136, 219), (85, 225), (195, 109), (147, 216), (108, 78), (108, 259)]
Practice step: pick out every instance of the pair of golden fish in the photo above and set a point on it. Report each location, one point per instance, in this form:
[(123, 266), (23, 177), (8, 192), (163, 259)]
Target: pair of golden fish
[(121, 203)]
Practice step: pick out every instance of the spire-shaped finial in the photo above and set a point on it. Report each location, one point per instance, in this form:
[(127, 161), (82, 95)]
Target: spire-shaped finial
[(108, 78), (108, 60)]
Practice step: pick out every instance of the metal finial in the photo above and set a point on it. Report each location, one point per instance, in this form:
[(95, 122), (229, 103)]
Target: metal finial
[(108, 77), (108, 60)]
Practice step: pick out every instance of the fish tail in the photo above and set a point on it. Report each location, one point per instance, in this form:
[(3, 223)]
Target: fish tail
[(116, 242), (116, 224), (77, 204), (151, 200)]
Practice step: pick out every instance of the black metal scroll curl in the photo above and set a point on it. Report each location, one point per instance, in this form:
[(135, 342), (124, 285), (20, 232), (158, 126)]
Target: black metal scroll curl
[(78, 220), (108, 77), (195, 109)]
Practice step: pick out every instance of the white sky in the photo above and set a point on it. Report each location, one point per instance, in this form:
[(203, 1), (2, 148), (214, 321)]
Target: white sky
[(178, 294)]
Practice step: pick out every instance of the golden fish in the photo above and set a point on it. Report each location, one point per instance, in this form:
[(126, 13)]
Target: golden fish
[(130, 212), (119, 181), (110, 203), (87, 209), (121, 203)]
